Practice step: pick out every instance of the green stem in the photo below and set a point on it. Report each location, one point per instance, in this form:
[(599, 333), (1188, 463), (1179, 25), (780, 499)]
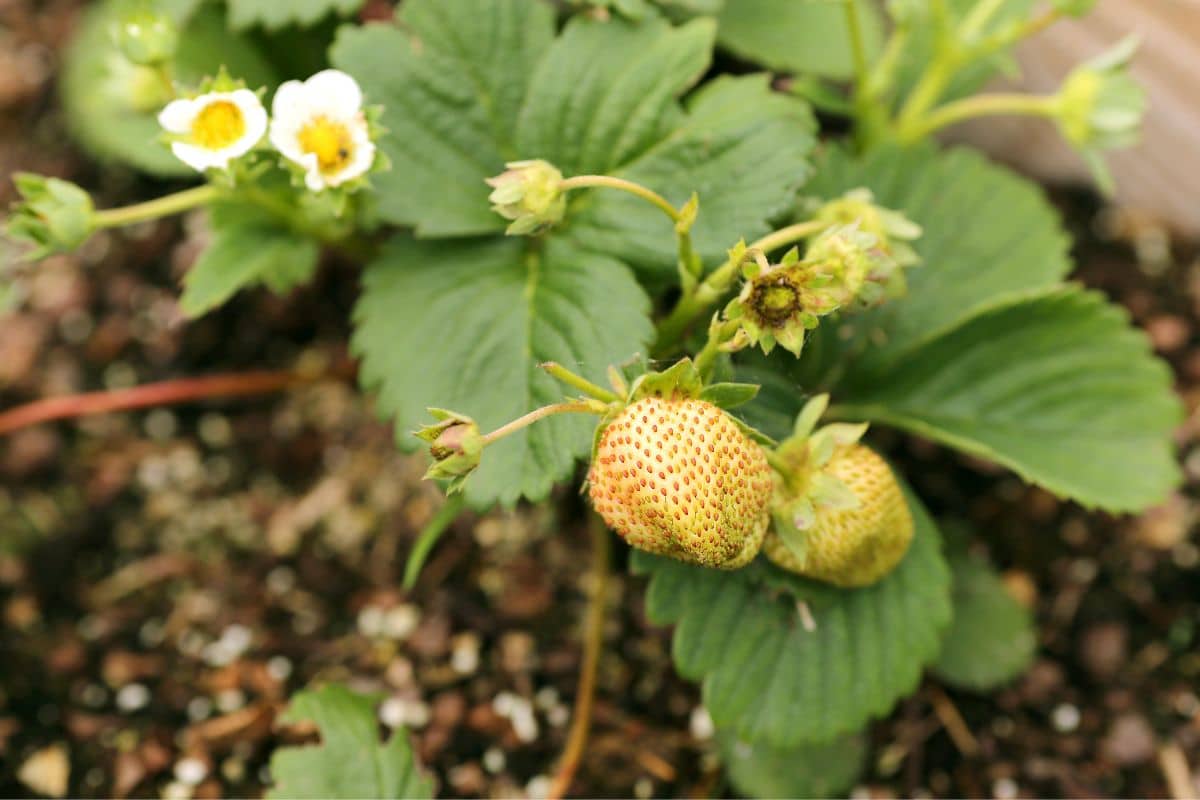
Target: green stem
[(883, 77), (717, 336), (857, 48), (1016, 33), (574, 407), (579, 382), (609, 182), (978, 19), (429, 537), (693, 306), (159, 207), (983, 105)]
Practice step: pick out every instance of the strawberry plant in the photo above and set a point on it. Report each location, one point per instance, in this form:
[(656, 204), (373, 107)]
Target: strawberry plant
[(583, 243)]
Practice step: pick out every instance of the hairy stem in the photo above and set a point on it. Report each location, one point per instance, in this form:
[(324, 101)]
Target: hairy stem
[(160, 394), (573, 407), (579, 382), (608, 181), (981, 105), (593, 642), (159, 207), (717, 336)]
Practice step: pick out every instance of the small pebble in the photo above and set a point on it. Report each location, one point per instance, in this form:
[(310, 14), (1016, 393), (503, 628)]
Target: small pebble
[(494, 760), (279, 668), (1065, 718), (538, 787), (132, 697), (370, 621), (558, 716), (464, 653), (701, 724), (643, 788), (281, 580), (546, 698), (1005, 789), (199, 708), (177, 790), (398, 623), (230, 700), (190, 771)]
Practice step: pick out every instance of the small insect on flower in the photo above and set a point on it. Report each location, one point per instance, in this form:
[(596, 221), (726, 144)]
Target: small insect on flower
[(209, 131), (320, 125)]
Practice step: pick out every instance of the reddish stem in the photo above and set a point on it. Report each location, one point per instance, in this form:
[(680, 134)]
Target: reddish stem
[(163, 393)]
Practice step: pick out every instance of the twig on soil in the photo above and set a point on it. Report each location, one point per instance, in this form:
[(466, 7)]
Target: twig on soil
[(581, 716), (164, 393), (953, 722), (1175, 769)]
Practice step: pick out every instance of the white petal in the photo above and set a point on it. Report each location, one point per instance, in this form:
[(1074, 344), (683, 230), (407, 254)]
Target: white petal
[(177, 116), (314, 180), (364, 157), (199, 158), (335, 92), (253, 115), (290, 102)]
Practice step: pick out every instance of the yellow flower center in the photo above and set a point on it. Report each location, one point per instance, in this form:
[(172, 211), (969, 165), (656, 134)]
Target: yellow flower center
[(329, 141), (219, 124)]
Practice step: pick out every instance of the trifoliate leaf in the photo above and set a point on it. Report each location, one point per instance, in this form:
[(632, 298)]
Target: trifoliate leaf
[(991, 639), (771, 680), (351, 761), (808, 36), (812, 770), (112, 104), (470, 85), (465, 324), (273, 14), (1053, 384), (248, 248)]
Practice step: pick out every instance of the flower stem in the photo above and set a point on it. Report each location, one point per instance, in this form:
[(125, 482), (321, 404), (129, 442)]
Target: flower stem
[(579, 382), (573, 407), (159, 207), (694, 305), (982, 105), (429, 537), (593, 643), (608, 181)]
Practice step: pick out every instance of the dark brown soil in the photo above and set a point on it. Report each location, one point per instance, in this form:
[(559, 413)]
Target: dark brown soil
[(168, 578)]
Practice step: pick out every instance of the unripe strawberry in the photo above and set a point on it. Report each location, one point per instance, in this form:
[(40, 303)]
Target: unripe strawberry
[(857, 545), (677, 477)]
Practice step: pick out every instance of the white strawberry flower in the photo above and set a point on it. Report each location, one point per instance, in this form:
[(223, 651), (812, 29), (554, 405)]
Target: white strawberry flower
[(320, 125), (211, 130)]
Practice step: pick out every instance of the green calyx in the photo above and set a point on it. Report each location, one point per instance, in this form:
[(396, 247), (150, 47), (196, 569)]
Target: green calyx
[(53, 215), (892, 230), (530, 194), (802, 485), (456, 446)]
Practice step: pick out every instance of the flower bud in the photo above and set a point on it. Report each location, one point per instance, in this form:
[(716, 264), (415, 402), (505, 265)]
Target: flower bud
[(530, 194), (55, 216), (456, 446), (145, 35), (1100, 106), (892, 230)]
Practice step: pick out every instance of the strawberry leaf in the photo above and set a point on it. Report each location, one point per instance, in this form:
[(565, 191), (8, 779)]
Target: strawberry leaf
[(1053, 384), (248, 248), (273, 15), (465, 325), (769, 679), (806, 36), (350, 761), (811, 770), (991, 638)]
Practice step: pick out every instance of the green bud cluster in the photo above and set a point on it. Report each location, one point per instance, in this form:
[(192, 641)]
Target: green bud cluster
[(456, 446), (53, 215)]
